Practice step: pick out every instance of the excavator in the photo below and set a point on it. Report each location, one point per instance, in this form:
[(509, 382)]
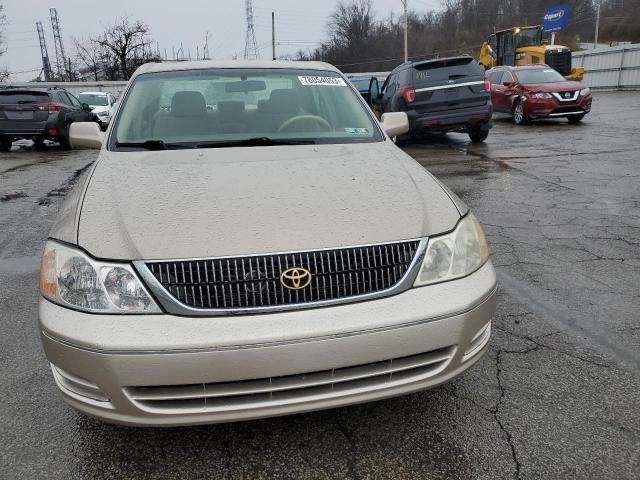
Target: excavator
[(524, 46)]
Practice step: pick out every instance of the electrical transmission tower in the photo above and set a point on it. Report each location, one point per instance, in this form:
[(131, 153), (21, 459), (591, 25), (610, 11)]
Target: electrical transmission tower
[(57, 43), (46, 65), (250, 46)]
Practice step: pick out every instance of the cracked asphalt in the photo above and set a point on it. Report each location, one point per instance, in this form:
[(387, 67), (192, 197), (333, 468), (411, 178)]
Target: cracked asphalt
[(556, 396)]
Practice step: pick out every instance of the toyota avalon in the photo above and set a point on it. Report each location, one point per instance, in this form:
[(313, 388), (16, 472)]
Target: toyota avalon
[(249, 243)]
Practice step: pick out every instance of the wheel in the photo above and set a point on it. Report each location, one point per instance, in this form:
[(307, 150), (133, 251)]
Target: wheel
[(575, 118), (38, 143), (519, 117), (478, 135), (64, 142), (5, 144)]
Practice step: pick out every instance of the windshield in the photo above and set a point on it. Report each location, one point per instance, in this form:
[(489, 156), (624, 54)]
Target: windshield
[(547, 75), (9, 97), (196, 107), (93, 99), (529, 37)]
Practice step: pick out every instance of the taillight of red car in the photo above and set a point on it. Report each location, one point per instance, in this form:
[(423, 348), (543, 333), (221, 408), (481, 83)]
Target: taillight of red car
[(487, 85), (409, 94), (50, 107)]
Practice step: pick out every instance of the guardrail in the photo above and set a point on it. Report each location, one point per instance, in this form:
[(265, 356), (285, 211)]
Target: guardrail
[(610, 67)]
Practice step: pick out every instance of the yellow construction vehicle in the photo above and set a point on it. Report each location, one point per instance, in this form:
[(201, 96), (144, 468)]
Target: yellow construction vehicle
[(524, 46)]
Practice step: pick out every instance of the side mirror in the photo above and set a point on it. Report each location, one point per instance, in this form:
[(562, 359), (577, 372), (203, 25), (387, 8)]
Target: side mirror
[(86, 107), (395, 123), (85, 135), (508, 84)]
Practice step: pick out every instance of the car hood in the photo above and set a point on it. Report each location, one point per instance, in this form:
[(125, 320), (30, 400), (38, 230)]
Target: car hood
[(99, 108), (554, 87), (239, 201)]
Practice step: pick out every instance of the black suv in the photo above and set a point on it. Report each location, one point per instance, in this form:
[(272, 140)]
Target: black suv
[(39, 114), (442, 95)]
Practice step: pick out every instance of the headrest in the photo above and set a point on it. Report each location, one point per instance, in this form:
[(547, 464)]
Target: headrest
[(188, 104), (284, 100), (231, 107)]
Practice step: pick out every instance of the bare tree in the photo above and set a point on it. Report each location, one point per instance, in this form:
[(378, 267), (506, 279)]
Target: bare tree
[(91, 55), (129, 42)]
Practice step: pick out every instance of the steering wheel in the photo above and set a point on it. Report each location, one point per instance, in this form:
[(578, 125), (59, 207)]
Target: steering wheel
[(302, 119)]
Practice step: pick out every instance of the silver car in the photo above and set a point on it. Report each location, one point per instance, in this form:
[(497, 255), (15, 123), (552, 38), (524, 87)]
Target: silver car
[(249, 243)]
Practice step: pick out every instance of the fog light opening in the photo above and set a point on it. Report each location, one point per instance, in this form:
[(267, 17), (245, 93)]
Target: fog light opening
[(479, 340), (78, 386)]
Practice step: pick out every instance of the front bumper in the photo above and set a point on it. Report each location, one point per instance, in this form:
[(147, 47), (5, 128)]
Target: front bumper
[(167, 370), (549, 108)]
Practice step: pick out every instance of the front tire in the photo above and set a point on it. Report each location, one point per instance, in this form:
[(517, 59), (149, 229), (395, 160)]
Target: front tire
[(519, 117), (5, 144), (575, 118), (478, 135)]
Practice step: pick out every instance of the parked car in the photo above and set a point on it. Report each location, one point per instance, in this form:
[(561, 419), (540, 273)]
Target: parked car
[(365, 86), (101, 103), (275, 254), (442, 95), (535, 92), (39, 114)]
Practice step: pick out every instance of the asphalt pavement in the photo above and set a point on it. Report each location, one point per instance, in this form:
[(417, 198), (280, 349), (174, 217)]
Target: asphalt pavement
[(556, 396)]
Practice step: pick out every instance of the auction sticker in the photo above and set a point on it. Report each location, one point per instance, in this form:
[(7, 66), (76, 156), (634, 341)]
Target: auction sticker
[(323, 81)]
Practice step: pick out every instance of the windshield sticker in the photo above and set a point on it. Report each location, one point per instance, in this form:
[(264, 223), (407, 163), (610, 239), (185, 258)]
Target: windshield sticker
[(362, 131), (325, 81)]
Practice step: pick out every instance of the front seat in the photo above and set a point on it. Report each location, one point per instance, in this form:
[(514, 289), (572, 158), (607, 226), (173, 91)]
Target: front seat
[(283, 104), (188, 117)]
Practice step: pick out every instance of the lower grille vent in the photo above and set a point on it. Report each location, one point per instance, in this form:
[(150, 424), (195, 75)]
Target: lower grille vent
[(265, 392)]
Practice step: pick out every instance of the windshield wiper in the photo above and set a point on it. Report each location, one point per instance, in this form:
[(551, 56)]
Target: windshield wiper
[(254, 142), (153, 145)]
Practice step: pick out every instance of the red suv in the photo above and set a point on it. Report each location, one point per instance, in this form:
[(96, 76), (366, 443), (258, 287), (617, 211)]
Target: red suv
[(533, 92)]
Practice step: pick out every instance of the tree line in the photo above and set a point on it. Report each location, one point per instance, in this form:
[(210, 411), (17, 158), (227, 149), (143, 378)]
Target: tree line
[(359, 40)]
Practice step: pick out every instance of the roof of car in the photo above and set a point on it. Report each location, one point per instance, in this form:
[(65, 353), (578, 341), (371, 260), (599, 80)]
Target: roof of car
[(93, 93), (206, 64), (537, 66)]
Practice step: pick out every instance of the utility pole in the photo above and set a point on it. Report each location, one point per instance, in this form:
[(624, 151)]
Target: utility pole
[(595, 39), (273, 34), (46, 65), (406, 28), (251, 51)]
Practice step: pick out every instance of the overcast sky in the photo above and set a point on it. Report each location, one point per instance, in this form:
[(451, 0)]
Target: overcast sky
[(299, 25)]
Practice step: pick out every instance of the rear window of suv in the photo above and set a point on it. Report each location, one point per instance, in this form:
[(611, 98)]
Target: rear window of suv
[(446, 69), (19, 98)]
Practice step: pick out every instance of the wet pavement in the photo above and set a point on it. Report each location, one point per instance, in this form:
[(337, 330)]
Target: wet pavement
[(556, 396)]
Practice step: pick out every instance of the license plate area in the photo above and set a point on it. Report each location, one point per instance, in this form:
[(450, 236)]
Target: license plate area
[(13, 115), (451, 93)]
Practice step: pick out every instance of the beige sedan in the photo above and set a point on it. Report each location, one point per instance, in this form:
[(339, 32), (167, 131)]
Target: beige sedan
[(251, 243)]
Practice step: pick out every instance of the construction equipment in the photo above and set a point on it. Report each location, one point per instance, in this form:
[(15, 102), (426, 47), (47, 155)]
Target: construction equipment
[(524, 46)]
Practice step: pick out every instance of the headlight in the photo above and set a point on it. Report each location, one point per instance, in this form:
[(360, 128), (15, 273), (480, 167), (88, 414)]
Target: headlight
[(103, 114), (71, 278), (455, 254), (585, 91), (541, 95)]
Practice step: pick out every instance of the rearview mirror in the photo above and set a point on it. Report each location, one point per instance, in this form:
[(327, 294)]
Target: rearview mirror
[(85, 135), (395, 123)]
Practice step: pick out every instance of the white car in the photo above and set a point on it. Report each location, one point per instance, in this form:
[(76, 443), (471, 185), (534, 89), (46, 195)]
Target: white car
[(102, 105), (275, 254)]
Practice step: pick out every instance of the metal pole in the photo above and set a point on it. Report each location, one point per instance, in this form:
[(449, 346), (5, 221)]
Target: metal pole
[(273, 34), (595, 39), (553, 38), (406, 27)]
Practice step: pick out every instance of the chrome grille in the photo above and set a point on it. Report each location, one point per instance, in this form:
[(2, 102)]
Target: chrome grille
[(270, 391), (253, 282)]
